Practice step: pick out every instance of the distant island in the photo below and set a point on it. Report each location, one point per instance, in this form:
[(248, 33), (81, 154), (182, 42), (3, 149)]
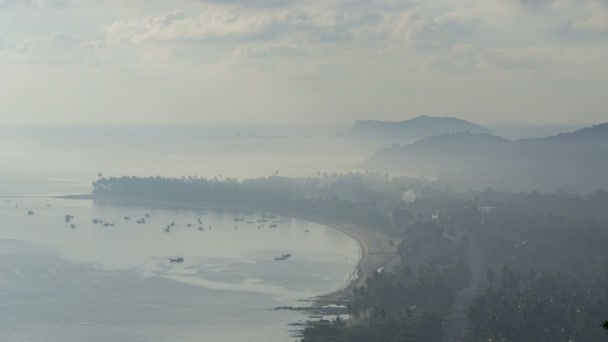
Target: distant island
[(417, 128), (575, 162)]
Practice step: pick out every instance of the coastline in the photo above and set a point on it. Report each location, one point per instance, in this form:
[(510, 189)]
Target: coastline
[(375, 250)]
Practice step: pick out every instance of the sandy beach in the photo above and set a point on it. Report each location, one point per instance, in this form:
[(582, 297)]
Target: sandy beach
[(376, 253)]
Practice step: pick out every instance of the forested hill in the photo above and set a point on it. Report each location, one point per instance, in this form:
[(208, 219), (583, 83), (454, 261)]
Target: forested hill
[(574, 162), (417, 128)]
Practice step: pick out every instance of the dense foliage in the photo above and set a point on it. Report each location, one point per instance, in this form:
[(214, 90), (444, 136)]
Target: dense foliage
[(535, 265)]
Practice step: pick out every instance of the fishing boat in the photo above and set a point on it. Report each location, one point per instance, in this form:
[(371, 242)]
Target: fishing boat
[(176, 259)]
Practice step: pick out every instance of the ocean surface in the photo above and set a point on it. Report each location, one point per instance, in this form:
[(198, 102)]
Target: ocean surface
[(117, 283)]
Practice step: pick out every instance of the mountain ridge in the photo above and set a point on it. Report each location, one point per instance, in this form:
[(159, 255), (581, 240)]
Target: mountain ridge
[(574, 162), (418, 127)]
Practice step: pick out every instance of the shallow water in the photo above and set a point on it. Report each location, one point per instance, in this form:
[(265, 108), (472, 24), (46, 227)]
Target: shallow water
[(98, 283)]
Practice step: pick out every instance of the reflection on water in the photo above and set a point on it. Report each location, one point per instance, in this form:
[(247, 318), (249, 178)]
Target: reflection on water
[(116, 283)]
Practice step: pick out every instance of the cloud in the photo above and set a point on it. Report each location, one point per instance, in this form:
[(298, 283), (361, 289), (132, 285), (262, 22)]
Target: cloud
[(597, 21), (54, 48), (7, 4), (536, 3), (545, 58), (235, 24), (258, 3)]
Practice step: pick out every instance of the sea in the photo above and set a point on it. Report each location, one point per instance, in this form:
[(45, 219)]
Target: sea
[(114, 281)]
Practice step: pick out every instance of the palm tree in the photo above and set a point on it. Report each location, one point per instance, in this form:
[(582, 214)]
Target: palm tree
[(339, 322)]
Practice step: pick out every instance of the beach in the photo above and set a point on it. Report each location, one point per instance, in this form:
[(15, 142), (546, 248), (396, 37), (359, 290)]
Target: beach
[(376, 253)]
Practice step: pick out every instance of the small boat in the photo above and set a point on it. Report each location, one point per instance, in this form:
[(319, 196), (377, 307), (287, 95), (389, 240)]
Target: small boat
[(201, 228), (68, 218), (72, 226), (147, 215), (273, 226), (189, 225), (127, 218), (250, 222), (176, 259), (172, 224), (141, 221), (107, 224), (30, 213), (307, 231), (280, 258), (167, 229), (96, 221), (286, 255)]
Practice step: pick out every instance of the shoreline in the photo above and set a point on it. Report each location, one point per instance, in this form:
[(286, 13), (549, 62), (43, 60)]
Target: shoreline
[(375, 250), (375, 253)]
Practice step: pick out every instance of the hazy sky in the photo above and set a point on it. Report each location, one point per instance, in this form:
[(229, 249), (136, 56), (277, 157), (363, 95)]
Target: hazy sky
[(302, 61)]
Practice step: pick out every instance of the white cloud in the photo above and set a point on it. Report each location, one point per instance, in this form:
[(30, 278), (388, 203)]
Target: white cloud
[(337, 59), (38, 4)]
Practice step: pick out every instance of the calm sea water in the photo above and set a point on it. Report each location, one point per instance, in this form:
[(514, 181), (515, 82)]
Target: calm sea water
[(116, 283), (59, 160), (96, 283)]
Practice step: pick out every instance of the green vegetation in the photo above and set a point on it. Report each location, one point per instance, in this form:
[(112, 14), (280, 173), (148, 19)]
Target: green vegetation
[(534, 266)]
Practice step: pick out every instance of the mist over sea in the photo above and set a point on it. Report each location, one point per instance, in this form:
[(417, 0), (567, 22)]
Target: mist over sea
[(66, 159), (98, 283), (115, 283)]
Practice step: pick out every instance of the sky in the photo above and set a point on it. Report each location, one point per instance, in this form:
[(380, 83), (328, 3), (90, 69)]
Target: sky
[(302, 61)]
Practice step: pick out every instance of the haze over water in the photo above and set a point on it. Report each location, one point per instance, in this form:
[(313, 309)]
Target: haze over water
[(60, 284), (65, 160), (68, 284)]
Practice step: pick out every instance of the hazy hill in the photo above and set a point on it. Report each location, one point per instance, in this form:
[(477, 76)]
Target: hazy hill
[(576, 162), (413, 129)]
